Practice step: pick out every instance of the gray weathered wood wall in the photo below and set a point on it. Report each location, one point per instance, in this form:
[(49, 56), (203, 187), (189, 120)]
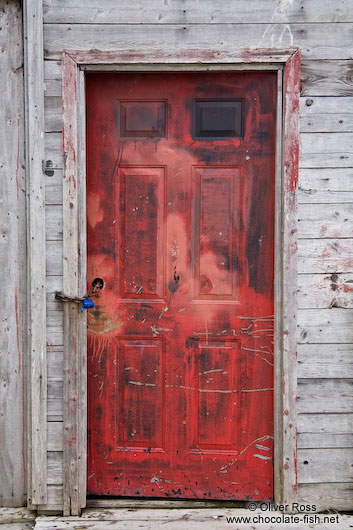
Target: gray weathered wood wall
[(324, 32), (12, 258)]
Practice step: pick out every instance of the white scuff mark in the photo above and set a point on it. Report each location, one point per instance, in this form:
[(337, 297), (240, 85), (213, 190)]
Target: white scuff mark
[(257, 351), (211, 371), (140, 383), (261, 439), (256, 389), (182, 309), (218, 391), (155, 480), (139, 290), (133, 433), (264, 359), (128, 368), (267, 317), (263, 447), (262, 457), (144, 320), (154, 330), (100, 387)]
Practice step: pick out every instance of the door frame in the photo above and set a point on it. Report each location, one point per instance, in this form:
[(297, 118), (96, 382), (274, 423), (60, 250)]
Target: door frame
[(74, 65)]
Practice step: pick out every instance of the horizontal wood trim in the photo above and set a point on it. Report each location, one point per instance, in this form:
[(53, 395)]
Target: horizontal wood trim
[(327, 496), (325, 465), (325, 423), (325, 256), (323, 291), (325, 395), (210, 11), (232, 38), (322, 441)]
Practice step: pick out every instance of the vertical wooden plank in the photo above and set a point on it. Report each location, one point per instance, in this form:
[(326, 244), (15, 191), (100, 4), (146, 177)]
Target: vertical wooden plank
[(82, 266), (278, 389), (289, 278), (72, 315), (12, 258), (37, 380)]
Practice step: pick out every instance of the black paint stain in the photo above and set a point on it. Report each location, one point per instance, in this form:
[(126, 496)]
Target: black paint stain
[(49, 172)]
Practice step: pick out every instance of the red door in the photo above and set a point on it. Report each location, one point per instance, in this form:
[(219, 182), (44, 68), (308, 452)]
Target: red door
[(180, 195)]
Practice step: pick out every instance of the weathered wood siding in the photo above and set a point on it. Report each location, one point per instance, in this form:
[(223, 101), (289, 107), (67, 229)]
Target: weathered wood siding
[(324, 32), (12, 258)]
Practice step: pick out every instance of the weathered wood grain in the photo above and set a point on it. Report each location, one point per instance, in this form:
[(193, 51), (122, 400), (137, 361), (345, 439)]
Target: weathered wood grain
[(311, 38), (54, 258), (55, 336), (55, 467), (37, 372), (55, 436), (325, 256), (325, 325), (53, 120), (55, 401), (324, 441), (325, 186), (330, 114), (15, 515), (337, 496), (326, 150), (325, 465), (325, 290), (183, 519), (327, 78), (209, 12), (325, 361), (54, 222), (55, 500), (326, 423), (325, 220), (12, 259), (55, 362), (17, 526), (325, 396)]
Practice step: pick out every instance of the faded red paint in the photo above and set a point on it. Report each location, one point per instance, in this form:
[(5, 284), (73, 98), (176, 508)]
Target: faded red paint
[(291, 147), (181, 229)]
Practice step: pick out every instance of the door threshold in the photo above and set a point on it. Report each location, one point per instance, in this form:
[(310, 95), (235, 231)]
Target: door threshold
[(133, 503)]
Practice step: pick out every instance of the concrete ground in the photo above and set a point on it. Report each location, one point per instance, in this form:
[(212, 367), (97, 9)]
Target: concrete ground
[(173, 519)]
